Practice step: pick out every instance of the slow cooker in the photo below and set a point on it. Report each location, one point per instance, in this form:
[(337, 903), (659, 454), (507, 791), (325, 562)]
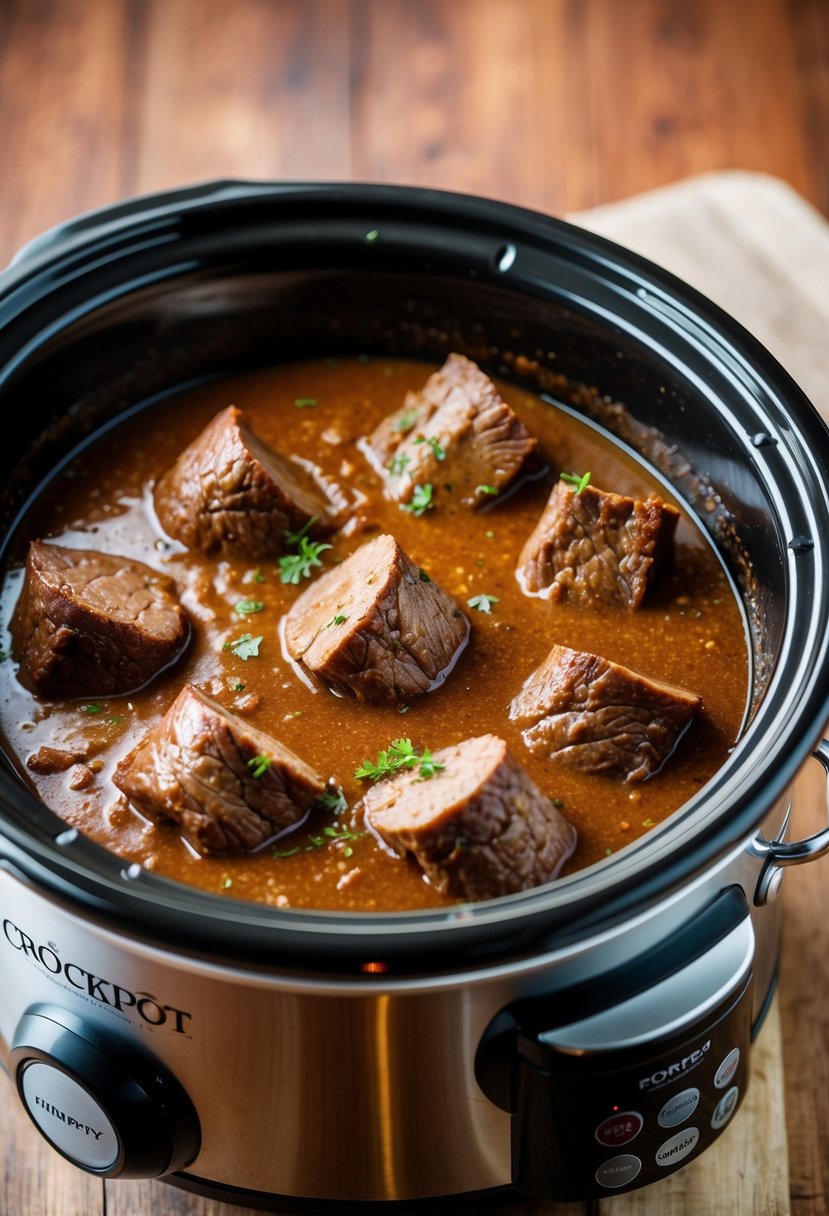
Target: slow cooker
[(577, 1040)]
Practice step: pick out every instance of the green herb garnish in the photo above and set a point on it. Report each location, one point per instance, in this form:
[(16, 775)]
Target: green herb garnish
[(333, 834), (483, 603), (424, 577), (400, 755), (421, 500), (440, 452), (397, 466), (244, 647), (259, 765), (305, 403), (94, 707), (487, 490), (428, 766), (235, 685), (332, 800), (573, 479), (406, 422), (248, 607), (254, 576), (294, 567), (339, 619)]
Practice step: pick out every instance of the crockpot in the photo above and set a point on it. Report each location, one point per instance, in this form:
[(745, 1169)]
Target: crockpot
[(577, 1040)]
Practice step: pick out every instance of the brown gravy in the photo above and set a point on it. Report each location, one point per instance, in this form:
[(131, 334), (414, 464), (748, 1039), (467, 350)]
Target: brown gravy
[(690, 633)]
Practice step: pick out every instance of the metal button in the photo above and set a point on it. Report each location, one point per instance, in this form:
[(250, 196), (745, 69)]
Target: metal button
[(725, 1108), (618, 1171), (678, 1147), (678, 1108)]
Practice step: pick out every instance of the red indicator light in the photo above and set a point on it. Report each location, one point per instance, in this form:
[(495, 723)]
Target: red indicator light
[(615, 1109)]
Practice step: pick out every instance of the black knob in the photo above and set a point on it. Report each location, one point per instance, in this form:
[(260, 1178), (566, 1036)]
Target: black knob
[(104, 1104)]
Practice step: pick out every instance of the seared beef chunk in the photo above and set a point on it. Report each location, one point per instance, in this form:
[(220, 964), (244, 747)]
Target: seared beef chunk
[(227, 786), (229, 493), (93, 624), (478, 828), (590, 714), (376, 627), (456, 430), (596, 546)]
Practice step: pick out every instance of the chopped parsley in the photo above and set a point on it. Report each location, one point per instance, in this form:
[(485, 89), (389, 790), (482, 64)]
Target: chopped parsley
[(293, 538), (248, 607), (573, 479), (339, 619), (332, 800), (94, 707), (424, 577), (397, 465), (259, 765), (115, 720), (487, 490), (333, 834), (244, 647), (406, 422), (294, 567), (305, 403), (434, 444), (421, 500), (236, 685), (254, 576), (400, 755), (483, 603)]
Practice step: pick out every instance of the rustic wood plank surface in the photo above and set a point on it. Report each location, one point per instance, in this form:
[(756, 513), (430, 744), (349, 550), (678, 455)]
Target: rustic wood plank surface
[(556, 104)]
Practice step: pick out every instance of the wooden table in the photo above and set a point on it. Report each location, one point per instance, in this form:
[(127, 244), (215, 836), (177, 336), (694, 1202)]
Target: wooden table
[(553, 104)]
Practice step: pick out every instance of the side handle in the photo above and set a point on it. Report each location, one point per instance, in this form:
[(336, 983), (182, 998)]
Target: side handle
[(780, 853)]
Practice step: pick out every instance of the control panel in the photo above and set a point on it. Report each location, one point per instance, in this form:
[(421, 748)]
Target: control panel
[(622, 1095)]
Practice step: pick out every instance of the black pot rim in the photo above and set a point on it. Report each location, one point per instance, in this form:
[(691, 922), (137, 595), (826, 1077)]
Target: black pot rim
[(721, 819)]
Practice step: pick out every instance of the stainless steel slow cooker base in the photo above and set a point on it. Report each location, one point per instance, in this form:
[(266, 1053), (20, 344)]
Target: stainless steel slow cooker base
[(580, 1039), (370, 1087)]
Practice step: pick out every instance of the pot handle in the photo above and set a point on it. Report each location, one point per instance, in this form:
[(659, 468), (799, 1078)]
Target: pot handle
[(780, 852)]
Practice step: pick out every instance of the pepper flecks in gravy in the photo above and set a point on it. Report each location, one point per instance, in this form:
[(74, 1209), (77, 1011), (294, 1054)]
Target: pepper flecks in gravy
[(688, 633)]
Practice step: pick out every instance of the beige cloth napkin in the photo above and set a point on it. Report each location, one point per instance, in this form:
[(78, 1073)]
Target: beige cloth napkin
[(753, 246)]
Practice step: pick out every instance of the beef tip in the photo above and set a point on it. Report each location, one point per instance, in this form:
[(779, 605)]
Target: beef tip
[(376, 627), (94, 624), (596, 716), (195, 769), (228, 493), (479, 828), (456, 430), (594, 546)]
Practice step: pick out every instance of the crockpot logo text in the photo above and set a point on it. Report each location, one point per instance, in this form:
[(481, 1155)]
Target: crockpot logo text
[(105, 992), (677, 1069)]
